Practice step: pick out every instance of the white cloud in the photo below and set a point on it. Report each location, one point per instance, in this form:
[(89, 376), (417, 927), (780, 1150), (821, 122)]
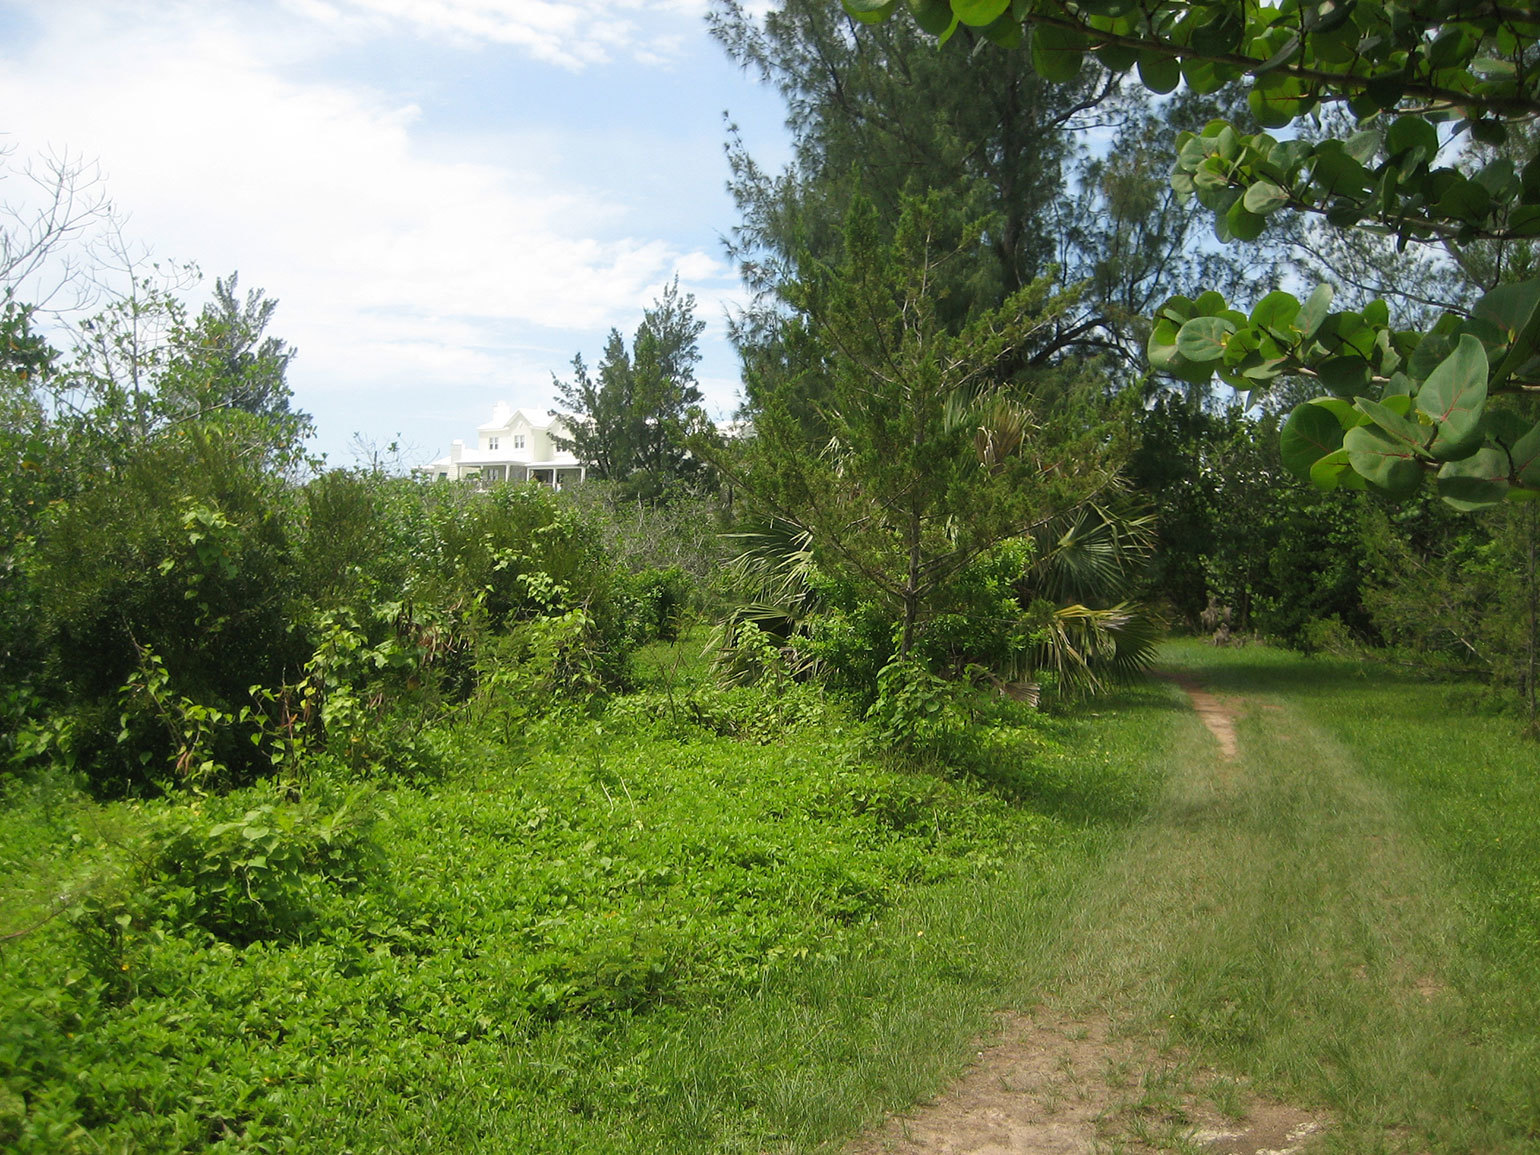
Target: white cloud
[(570, 33), (317, 190)]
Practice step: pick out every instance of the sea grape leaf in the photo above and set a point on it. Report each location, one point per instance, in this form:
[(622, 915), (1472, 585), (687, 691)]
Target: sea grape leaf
[(1454, 396), (1478, 482), (1383, 460), (1399, 426), (1311, 432), (1203, 339)]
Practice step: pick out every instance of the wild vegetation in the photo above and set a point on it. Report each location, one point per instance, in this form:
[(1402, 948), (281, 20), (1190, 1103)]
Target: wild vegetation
[(712, 804)]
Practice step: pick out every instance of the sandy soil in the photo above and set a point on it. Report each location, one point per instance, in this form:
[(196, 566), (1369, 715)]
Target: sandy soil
[(1053, 1086)]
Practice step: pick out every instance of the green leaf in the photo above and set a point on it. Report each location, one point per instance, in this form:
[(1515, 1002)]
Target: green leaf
[(1202, 76), (1057, 53), (873, 11), (1402, 428), (933, 16), (1263, 197), (1310, 433), (1276, 312), (1454, 396), (1515, 309), (1118, 57), (1203, 339), (1272, 110), (1383, 460), (1314, 311), (1477, 482), (1526, 457), (1004, 32), (1158, 72), (1346, 376), (1335, 471), (1362, 146), (1409, 134), (1244, 225), (979, 13)]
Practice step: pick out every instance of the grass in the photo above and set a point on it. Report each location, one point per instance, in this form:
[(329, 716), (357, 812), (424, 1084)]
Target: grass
[(707, 921), (1329, 915), (702, 921)]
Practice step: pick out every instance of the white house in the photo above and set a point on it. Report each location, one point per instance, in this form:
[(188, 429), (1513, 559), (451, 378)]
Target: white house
[(516, 445)]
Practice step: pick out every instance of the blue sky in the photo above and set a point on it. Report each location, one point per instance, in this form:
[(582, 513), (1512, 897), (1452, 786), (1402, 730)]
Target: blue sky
[(449, 198)]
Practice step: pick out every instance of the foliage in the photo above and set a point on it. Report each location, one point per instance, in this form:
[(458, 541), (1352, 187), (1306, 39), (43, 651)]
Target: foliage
[(917, 458), (1242, 545), (1456, 592), (1405, 404), (883, 118), (240, 970), (630, 423), (185, 554)]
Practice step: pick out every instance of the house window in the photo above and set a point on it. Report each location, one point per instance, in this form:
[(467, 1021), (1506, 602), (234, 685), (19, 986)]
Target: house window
[(518, 441), (491, 443)]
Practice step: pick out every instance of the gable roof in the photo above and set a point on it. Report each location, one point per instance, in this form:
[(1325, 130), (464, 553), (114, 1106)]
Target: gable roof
[(504, 415)]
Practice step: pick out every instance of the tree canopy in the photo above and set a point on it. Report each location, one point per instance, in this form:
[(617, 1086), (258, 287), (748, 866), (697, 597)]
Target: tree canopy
[(1444, 98), (630, 420)]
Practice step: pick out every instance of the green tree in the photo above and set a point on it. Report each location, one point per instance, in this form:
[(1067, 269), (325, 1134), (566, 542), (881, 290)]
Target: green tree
[(1405, 404), (226, 359), (884, 116), (630, 422), (920, 457)]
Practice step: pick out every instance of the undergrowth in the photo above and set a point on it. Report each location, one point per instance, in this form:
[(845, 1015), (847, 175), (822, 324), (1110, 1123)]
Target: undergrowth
[(507, 954)]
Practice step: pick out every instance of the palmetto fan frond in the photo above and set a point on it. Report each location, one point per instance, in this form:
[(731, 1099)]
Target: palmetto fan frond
[(772, 572), (1092, 554), (1088, 647)]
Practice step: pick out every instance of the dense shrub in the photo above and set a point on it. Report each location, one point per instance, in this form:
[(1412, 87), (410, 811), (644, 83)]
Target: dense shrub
[(183, 553)]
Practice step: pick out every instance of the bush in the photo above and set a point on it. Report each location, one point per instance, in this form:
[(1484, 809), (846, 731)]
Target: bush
[(183, 553)]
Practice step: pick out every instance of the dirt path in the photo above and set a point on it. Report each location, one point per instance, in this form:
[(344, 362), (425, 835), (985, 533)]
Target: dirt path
[(1084, 1073)]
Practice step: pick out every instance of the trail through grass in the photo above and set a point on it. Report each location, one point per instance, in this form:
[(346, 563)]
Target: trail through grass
[(1305, 914)]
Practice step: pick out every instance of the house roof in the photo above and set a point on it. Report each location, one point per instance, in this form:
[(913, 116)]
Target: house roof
[(504, 415)]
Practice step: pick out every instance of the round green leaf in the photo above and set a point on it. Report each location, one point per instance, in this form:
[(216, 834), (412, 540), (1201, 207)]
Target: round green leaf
[(1203, 339), (1335, 471), (1241, 225), (1057, 53), (979, 13), (1314, 311), (1202, 76), (1310, 433), (1276, 312), (1454, 396), (1004, 32), (1263, 197), (1410, 134), (1346, 376), (1402, 428), (933, 16), (1526, 457), (1383, 460), (1272, 110), (874, 11), (1158, 72), (1478, 482), (1116, 57)]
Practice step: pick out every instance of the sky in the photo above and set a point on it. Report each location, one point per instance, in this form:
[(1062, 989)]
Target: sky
[(448, 198)]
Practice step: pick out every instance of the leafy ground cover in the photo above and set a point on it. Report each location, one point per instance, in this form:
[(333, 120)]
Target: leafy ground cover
[(695, 920)]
